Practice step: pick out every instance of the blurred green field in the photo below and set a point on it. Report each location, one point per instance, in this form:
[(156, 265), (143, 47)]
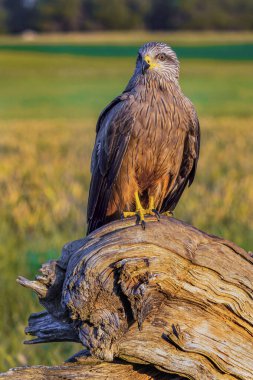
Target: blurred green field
[(49, 104)]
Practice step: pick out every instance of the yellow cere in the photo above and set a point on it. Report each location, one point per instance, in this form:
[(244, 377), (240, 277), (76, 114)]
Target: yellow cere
[(151, 63)]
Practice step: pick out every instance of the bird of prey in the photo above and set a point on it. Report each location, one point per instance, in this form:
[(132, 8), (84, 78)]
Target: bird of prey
[(147, 143)]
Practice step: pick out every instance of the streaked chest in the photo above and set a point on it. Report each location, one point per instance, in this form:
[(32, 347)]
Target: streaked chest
[(158, 133), (159, 116)]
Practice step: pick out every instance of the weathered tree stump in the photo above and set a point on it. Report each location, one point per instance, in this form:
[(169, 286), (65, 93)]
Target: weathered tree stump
[(171, 296)]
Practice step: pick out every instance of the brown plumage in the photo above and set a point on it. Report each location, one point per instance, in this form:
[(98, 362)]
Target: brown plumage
[(147, 142)]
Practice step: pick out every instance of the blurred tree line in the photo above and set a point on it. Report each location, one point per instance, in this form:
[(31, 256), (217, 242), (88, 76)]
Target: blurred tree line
[(80, 15)]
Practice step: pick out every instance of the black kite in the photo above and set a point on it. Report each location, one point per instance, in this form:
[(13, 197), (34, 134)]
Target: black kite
[(147, 143)]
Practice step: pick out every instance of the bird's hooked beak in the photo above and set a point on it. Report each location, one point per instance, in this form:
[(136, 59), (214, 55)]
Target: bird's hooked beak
[(148, 63), (145, 65)]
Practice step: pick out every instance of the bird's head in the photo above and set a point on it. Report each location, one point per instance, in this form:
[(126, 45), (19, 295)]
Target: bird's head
[(157, 60)]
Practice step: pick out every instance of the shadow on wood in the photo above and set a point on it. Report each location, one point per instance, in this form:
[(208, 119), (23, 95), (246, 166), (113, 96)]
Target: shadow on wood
[(170, 296)]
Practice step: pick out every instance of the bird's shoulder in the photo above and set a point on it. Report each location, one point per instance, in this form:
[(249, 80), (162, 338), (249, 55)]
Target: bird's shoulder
[(117, 109), (113, 132)]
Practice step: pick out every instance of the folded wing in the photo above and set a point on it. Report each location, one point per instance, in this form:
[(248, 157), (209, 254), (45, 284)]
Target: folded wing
[(114, 129), (189, 162)]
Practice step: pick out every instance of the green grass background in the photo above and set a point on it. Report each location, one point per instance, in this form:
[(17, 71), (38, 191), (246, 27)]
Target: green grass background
[(49, 103)]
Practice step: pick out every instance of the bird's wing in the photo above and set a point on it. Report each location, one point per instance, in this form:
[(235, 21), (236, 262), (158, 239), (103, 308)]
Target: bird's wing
[(113, 134), (189, 162)]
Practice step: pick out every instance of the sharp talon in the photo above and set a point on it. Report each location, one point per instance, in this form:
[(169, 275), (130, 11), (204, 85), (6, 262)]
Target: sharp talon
[(138, 219), (143, 224), (157, 214), (122, 216)]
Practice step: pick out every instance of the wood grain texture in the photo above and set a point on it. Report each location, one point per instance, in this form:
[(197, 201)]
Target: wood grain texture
[(170, 296), (88, 370)]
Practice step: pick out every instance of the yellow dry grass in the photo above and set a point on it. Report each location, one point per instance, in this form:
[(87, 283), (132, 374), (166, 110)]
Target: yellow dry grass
[(45, 177)]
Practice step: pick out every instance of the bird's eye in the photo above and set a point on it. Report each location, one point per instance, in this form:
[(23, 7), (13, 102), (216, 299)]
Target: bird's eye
[(161, 57)]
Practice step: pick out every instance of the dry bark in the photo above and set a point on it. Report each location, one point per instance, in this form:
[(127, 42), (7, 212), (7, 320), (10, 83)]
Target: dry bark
[(88, 370), (170, 296)]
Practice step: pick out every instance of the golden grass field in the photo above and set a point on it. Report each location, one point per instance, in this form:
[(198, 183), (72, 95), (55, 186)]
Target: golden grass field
[(48, 108)]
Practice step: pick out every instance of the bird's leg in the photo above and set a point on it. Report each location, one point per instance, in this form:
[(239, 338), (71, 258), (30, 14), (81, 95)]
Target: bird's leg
[(151, 202), (139, 211), (151, 208)]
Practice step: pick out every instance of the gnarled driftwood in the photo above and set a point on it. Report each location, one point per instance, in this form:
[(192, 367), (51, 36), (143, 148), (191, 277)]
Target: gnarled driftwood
[(170, 296)]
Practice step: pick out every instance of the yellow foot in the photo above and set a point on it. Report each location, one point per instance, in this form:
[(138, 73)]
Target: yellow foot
[(141, 212), (152, 211), (169, 214)]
